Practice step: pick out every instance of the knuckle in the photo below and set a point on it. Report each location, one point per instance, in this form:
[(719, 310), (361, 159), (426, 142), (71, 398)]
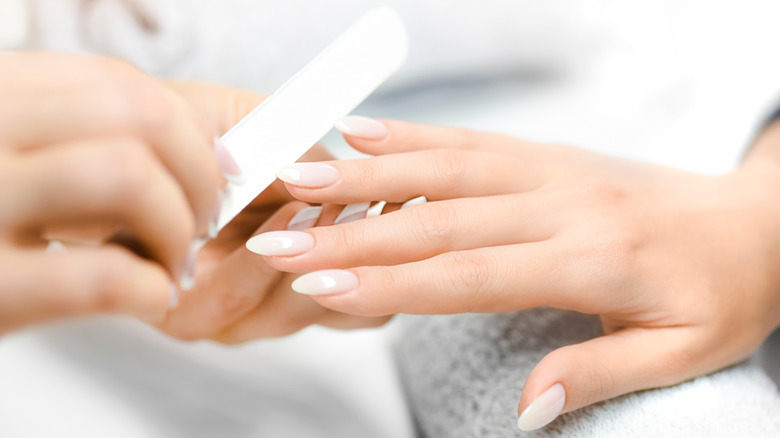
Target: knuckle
[(469, 274), (113, 283), (367, 174), (131, 167), (612, 254), (676, 363), (451, 166), (435, 223), (602, 192), (144, 104)]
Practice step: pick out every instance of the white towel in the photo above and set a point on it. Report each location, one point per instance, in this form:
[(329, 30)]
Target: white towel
[(464, 375)]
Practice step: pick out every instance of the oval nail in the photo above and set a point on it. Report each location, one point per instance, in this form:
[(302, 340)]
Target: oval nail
[(544, 409), (309, 175), (327, 282), (280, 243), (352, 212), (362, 127), (305, 219)]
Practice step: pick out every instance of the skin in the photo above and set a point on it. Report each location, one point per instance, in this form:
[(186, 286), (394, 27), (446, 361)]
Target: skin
[(120, 166), (683, 269)]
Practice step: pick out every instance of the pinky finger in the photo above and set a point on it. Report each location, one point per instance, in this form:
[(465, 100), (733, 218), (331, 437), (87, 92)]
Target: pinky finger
[(37, 286)]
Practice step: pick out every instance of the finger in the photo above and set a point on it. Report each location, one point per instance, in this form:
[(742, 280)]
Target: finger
[(499, 279), (414, 234), (237, 285), (282, 313), (578, 375), (379, 137), (39, 286), (124, 103), (88, 181), (285, 312), (436, 174), (344, 321)]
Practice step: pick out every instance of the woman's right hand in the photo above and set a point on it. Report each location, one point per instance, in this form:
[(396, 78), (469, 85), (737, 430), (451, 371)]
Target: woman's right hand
[(92, 148)]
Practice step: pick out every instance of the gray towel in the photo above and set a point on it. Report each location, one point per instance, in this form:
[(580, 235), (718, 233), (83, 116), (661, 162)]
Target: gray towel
[(464, 375)]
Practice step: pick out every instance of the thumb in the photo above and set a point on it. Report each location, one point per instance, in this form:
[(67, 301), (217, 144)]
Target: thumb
[(578, 375)]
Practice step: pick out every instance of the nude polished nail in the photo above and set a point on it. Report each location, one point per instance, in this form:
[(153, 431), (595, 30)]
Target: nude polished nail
[(352, 212), (363, 127), (305, 219), (544, 409), (227, 165), (328, 282), (415, 201), (281, 243), (187, 279), (309, 175)]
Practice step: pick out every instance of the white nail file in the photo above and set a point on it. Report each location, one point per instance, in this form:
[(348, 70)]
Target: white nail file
[(287, 124)]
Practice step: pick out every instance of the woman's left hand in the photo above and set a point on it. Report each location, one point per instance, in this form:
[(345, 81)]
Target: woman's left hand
[(683, 269)]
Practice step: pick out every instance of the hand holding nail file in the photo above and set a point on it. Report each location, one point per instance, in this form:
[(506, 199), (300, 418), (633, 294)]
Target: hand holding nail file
[(305, 108)]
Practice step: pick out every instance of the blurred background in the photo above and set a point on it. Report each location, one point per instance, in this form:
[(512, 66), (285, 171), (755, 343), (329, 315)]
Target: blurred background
[(682, 83)]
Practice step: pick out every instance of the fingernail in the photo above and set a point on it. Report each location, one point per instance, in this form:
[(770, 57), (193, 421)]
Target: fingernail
[(173, 297), (187, 279), (227, 165), (544, 409), (352, 212), (328, 282), (304, 219), (416, 201), (363, 127), (376, 209), (313, 175), (280, 243), (214, 221)]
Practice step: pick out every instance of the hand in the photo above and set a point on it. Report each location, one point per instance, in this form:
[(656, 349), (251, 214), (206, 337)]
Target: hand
[(238, 297), (94, 150), (683, 269)]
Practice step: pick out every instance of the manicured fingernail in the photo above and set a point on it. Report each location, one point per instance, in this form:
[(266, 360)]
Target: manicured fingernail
[(544, 409), (280, 243), (227, 165), (173, 297), (352, 212), (187, 279), (363, 127), (214, 221), (312, 175), (416, 201), (56, 246), (376, 209), (304, 219), (328, 282)]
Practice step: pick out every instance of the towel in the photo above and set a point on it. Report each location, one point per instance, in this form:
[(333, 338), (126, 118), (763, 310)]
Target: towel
[(464, 375)]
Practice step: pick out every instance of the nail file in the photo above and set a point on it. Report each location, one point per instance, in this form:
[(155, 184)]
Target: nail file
[(287, 124)]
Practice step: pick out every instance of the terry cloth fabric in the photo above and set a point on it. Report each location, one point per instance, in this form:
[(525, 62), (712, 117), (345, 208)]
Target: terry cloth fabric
[(464, 375)]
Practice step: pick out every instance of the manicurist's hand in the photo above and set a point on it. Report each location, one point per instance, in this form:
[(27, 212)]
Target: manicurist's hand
[(683, 269), (94, 152), (238, 296)]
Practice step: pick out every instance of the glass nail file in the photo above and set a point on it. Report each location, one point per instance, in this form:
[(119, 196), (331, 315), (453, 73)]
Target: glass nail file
[(287, 124)]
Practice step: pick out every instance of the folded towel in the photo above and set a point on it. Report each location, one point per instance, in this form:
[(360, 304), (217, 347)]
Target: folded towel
[(464, 375)]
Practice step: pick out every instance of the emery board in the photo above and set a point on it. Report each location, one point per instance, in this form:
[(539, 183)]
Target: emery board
[(287, 124)]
